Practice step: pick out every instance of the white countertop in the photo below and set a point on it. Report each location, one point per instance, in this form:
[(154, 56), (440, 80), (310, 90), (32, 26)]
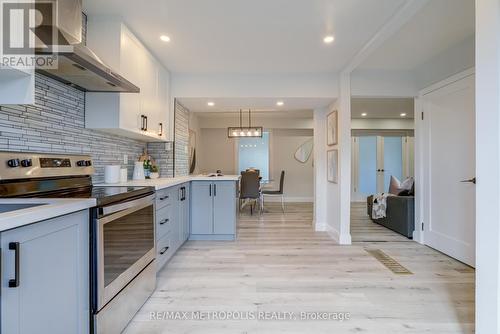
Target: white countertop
[(162, 183), (49, 208)]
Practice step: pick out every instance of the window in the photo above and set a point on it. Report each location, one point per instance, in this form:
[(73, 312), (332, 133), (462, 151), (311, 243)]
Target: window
[(254, 153)]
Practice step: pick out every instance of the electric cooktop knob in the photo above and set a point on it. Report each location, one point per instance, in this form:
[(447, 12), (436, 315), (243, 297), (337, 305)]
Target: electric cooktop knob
[(26, 163), (80, 163), (88, 163), (13, 163)]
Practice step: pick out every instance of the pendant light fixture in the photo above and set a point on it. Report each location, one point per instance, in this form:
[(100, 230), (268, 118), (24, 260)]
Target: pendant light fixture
[(246, 132)]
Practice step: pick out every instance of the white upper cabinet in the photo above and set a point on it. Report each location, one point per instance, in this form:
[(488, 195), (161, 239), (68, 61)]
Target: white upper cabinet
[(143, 115)]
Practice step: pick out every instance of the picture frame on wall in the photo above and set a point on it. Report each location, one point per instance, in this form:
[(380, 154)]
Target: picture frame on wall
[(332, 128), (332, 165)]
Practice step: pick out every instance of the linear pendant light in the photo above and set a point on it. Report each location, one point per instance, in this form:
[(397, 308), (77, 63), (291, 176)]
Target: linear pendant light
[(248, 131)]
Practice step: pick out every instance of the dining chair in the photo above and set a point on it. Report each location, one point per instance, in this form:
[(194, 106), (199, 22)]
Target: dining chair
[(277, 193), (250, 188)]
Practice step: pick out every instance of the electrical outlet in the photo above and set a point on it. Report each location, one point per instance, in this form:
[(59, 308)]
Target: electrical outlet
[(125, 159)]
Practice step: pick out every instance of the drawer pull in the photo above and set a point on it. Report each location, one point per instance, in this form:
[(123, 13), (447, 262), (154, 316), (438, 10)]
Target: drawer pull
[(163, 250), (163, 198), (164, 221)]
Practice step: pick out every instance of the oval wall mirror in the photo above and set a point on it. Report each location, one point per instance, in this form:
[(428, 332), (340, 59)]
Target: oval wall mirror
[(304, 151)]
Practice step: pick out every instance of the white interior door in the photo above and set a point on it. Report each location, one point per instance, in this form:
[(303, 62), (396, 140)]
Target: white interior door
[(449, 161), (375, 159)]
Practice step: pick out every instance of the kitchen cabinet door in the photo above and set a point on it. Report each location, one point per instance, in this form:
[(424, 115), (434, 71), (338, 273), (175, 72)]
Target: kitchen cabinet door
[(52, 294), (131, 60), (201, 208), (224, 207)]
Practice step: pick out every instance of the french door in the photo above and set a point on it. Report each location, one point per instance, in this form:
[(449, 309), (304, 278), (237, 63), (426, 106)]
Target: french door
[(377, 158)]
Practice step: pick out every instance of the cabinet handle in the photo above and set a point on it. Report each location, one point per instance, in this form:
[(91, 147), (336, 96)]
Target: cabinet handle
[(163, 250), (163, 198), (14, 283), (210, 190), (142, 122), (215, 189), (164, 221), (160, 133), (146, 119)]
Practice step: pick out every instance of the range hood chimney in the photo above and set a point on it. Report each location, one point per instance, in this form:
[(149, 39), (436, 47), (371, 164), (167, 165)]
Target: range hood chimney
[(77, 65)]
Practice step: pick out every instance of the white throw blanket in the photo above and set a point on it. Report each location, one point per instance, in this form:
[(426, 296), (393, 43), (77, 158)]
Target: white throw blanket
[(380, 205)]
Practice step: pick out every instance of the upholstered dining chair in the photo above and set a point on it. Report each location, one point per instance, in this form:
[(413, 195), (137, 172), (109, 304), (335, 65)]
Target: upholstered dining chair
[(250, 188), (277, 193)]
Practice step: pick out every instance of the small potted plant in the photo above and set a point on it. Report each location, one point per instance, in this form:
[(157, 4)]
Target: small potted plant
[(154, 172)]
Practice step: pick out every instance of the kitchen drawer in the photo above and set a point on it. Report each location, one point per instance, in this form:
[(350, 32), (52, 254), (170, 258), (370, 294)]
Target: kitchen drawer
[(164, 251), (164, 197), (164, 221)]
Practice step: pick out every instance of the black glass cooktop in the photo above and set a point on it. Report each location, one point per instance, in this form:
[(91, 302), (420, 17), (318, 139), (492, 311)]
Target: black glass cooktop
[(70, 187), (106, 195)]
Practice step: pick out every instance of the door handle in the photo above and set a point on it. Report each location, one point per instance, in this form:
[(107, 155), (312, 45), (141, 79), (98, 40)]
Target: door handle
[(473, 180), (14, 283)]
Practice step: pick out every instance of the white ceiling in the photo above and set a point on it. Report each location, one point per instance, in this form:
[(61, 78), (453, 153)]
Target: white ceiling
[(382, 107), (257, 36), (256, 104), (440, 25)]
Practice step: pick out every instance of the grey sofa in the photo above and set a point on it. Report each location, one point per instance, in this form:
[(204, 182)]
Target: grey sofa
[(400, 214)]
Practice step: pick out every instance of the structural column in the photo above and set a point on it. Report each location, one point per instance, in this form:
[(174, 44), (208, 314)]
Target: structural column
[(487, 166)]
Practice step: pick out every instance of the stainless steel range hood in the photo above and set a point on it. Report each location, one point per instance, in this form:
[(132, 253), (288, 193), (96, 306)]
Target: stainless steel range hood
[(82, 69), (77, 65)]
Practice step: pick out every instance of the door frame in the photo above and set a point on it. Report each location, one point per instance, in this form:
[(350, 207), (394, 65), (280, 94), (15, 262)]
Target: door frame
[(422, 209), (405, 166)]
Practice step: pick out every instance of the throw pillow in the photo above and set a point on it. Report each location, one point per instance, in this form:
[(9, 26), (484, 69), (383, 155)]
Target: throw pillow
[(396, 186)]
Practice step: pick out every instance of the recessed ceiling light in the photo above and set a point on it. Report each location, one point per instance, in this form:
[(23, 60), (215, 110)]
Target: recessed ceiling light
[(364, 114), (328, 39), (210, 104), (280, 103), (165, 38), (403, 115)]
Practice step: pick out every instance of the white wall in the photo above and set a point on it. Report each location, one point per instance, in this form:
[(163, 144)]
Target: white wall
[(330, 198), (299, 177), (263, 85), (383, 83), (488, 166), (455, 59), (382, 124), (268, 122), (216, 152), (219, 152)]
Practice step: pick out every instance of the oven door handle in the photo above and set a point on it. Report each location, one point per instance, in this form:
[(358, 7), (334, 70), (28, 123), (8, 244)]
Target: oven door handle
[(126, 210), (107, 210)]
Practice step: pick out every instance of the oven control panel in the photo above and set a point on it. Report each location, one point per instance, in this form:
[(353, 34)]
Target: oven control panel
[(24, 165), (54, 162)]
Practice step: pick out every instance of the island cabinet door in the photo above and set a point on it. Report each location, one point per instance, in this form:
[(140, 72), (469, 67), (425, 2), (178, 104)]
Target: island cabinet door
[(224, 207), (201, 207), (44, 280)]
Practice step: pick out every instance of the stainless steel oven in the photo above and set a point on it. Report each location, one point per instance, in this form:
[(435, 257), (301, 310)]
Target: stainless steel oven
[(124, 244)]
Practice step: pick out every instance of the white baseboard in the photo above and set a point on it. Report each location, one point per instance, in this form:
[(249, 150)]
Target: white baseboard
[(288, 199), (341, 239)]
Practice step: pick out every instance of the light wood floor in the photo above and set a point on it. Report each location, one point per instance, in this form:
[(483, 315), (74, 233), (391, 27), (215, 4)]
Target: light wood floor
[(280, 264)]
